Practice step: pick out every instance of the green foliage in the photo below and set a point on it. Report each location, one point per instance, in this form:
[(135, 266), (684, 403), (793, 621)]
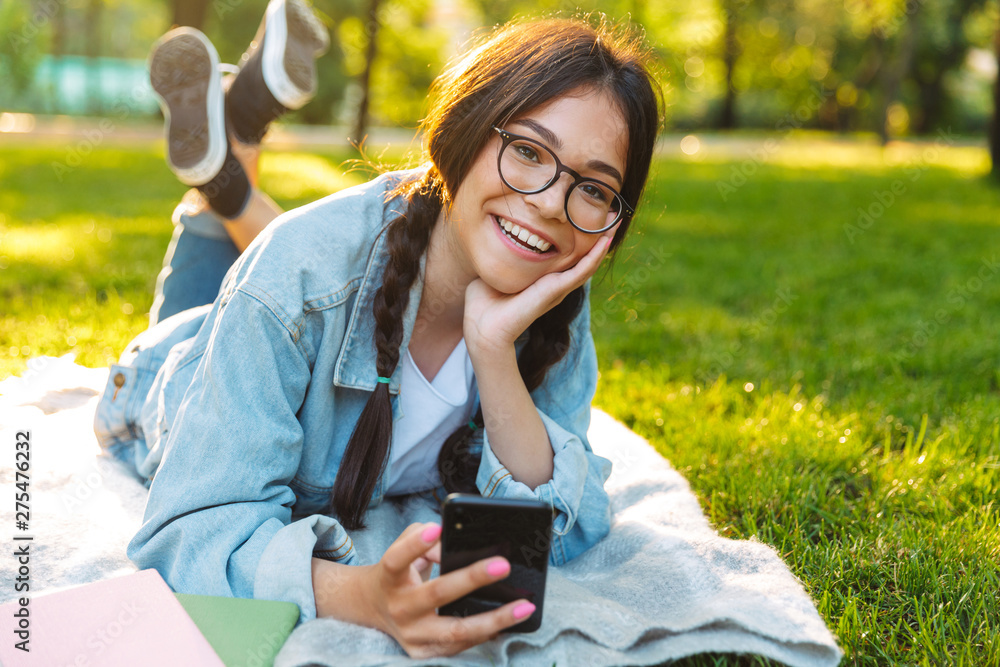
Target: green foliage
[(906, 66), (411, 52), (333, 79), (846, 53), (827, 382), (500, 11), (24, 38)]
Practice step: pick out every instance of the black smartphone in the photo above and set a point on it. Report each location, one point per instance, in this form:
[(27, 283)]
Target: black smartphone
[(474, 528)]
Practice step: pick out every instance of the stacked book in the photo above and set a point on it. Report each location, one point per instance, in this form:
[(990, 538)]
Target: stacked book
[(137, 620)]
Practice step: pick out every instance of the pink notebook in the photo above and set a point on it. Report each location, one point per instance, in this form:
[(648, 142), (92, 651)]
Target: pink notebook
[(121, 622)]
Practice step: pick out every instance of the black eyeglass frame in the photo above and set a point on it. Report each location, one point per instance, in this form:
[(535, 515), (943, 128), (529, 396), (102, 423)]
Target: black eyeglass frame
[(624, 211)]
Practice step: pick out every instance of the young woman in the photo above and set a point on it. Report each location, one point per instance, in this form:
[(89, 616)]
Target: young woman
[(426, 332)]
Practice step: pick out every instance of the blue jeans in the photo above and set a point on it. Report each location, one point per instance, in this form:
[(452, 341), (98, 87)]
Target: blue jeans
[(199, 255)]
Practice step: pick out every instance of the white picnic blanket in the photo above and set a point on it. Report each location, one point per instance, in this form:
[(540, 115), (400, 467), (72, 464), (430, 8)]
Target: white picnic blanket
[(661, 586)]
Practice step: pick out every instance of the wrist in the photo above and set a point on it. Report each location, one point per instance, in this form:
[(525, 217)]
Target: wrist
[(486, 356), (343, 592)]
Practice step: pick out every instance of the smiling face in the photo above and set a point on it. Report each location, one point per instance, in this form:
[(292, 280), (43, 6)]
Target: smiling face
[(588, 134)]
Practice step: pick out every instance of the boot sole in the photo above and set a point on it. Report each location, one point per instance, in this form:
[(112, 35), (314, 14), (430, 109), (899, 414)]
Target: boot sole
[(183, 71), (293, 39)]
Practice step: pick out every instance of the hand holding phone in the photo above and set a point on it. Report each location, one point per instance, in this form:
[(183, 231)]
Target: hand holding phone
[(474, 528), (393, 596)]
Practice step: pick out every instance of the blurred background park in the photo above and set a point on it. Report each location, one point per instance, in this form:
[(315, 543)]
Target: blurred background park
[(805, 321), (896, 68)]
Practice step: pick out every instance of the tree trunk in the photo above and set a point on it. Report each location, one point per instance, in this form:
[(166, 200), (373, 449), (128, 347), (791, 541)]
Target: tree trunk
[(371, 27), (995, 123), (53, 103), (894, 74), (92, 29), (190, 13), (930, 69), (731, 52), (866, 76), (933, 97), (58, 47)]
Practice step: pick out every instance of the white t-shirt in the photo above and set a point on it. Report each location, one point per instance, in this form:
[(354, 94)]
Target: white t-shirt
[(431, 412)]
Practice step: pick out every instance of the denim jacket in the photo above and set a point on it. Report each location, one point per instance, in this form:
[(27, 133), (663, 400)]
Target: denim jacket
[(238, 413)]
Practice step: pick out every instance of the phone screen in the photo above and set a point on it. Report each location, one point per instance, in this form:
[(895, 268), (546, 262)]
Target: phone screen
[(521, 531)]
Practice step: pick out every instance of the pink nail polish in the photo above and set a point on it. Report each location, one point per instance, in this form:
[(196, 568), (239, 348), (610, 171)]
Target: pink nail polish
[(498, 568), (430, 533), (524, 610)]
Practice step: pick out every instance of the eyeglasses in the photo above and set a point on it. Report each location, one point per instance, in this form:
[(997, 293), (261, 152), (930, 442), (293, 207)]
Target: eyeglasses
[(528, 166)]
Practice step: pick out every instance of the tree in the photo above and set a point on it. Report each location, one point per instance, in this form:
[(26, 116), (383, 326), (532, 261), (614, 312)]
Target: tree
[(371, 50), (994, 132), (941, 49), (190, 13), (92, 28), (730, 54), (24, 40), (893, 75)]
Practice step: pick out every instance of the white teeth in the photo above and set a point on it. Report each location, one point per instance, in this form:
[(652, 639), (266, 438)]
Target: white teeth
[(524, 235)]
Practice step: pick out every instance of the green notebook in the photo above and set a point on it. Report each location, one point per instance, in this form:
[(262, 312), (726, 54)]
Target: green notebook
[(245, 633)]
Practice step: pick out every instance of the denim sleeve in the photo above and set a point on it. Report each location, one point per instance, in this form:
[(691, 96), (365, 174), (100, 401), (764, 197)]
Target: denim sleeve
[(218, 518), (581, 507)]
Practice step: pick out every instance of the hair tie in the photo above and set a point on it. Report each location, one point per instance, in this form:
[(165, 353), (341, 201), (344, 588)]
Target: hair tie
[(383, 380), (472, 425)]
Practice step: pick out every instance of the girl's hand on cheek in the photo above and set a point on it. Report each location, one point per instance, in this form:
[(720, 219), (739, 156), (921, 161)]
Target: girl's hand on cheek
[(494, 320), (404, 605)]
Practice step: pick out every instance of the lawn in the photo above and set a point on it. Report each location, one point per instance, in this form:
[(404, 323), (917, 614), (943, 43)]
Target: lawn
[(808, 333)]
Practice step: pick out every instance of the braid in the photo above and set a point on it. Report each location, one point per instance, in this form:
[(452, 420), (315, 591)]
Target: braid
[(368, 449), (548, 342), (549, 339)]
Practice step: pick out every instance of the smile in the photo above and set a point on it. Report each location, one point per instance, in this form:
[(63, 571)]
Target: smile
[(522, 237)]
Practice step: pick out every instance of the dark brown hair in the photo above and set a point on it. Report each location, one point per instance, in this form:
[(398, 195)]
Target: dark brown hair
[(518, 68)]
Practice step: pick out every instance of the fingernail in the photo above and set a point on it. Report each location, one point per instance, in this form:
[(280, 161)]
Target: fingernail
[(524, 610), (498, 568), (430, 533)]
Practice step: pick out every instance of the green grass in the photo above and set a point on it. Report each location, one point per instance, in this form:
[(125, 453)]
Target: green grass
[(837, 400), (80, 250)]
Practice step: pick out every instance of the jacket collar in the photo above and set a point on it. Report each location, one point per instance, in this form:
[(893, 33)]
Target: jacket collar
[(355, 367)]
